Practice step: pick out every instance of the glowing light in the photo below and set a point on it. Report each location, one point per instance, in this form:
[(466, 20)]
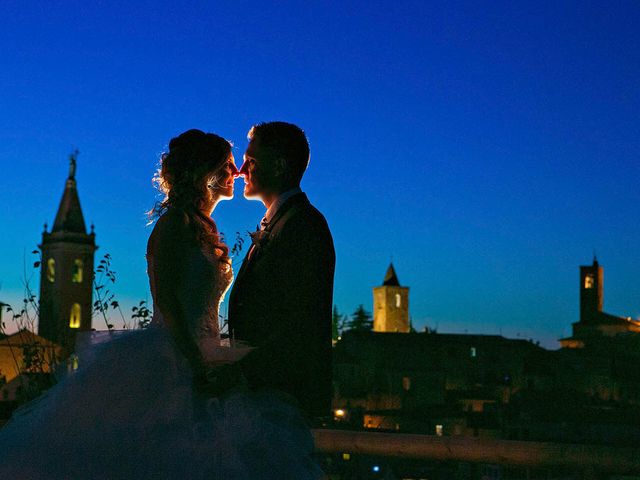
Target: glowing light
[(406, 383), (74, 319), (340, 413), (376, 468), (51, 270), (346, 456), (439, 430), (589, 281), (78, 267)]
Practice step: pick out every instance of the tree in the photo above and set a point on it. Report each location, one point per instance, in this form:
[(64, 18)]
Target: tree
[(360, 320), (338, 322)]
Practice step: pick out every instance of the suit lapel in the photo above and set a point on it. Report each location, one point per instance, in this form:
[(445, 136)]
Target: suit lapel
[(291, 202)]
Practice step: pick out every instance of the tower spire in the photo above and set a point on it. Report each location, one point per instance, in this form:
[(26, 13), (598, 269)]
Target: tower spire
[(391, 305), (66, 289), (69, 217), (390, 278)]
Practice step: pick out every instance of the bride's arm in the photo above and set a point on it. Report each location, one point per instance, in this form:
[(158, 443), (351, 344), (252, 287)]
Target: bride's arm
[(168, 247)]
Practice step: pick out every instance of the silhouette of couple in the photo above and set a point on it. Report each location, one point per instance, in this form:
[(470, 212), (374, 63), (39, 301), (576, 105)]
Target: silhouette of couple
[(177, 399)]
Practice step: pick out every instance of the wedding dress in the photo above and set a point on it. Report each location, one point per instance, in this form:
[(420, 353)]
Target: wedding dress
[(128, 410)]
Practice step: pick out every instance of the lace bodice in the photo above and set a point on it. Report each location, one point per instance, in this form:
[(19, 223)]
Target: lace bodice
[(198, 287)]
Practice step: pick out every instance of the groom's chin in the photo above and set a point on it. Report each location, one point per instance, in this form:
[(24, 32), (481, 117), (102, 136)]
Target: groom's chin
[(250, 195)]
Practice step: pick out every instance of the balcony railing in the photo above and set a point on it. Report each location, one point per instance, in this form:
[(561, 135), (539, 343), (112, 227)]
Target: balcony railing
[(583, 458)]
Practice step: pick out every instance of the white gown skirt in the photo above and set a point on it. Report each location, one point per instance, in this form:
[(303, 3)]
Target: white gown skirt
[(128, 412)]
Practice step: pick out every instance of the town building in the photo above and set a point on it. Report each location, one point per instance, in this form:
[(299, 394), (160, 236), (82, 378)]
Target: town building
[(66, 277), (394, 378), (595, 325), (27, 359)]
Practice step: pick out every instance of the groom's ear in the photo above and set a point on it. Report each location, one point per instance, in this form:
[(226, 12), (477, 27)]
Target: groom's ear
[(281, 168)]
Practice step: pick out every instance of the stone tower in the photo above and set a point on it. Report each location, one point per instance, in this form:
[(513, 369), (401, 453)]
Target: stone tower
[(591, 296), (66, 271), (391, 305)]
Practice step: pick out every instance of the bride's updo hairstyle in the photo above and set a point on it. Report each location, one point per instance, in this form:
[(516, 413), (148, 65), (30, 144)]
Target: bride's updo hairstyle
[(187, 172)]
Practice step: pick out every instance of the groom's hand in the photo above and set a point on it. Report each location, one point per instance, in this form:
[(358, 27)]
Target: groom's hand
[(219, 380)]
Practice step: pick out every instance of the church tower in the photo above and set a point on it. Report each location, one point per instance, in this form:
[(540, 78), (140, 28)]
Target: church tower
[(391, 305), (591, 296), (66, 270)]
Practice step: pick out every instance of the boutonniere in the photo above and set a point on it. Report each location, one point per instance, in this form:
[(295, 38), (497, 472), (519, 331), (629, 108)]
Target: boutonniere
[(259, 238)]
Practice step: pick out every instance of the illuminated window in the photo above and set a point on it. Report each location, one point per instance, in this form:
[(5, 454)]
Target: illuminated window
[(77, 271), (51, 270), (589, 281), (74, 319), (406, 383), (439, 429), (474, 352), (398, 300), (74, 362)]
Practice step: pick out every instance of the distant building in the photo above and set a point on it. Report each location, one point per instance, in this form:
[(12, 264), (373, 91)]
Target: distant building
[(595, 325), (23, 354), (65, 307), (66, 279), (391, 305), (488, 385)]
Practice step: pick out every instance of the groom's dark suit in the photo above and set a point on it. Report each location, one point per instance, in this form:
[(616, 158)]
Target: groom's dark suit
[(281, 303)]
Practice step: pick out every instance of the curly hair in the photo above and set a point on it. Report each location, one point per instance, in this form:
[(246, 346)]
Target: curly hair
[(186, 174)]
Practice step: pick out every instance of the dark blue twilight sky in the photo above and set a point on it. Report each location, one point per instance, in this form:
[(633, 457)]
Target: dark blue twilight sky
[(488, 149)]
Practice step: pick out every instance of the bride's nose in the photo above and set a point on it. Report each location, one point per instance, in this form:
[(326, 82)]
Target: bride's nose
[(234, 171)]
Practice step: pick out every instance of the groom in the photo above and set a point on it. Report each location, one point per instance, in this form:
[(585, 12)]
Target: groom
[(282, 297)]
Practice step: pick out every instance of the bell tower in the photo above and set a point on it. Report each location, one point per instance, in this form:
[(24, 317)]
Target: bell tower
[(391, 305), (66, 270), (591, 287)]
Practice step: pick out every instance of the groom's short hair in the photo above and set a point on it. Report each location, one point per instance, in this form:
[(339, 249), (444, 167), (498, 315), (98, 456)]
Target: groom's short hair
[(286, 141)]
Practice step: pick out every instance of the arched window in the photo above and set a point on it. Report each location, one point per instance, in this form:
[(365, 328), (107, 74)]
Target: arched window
[(78, 266), (589, 281), (406, 383), (74, 319), (398, 300), (51, 270)]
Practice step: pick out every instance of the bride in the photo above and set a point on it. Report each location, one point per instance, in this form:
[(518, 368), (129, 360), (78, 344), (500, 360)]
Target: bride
[(146, 403)]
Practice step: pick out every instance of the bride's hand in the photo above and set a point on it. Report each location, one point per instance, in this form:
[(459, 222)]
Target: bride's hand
[(215, 355)]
